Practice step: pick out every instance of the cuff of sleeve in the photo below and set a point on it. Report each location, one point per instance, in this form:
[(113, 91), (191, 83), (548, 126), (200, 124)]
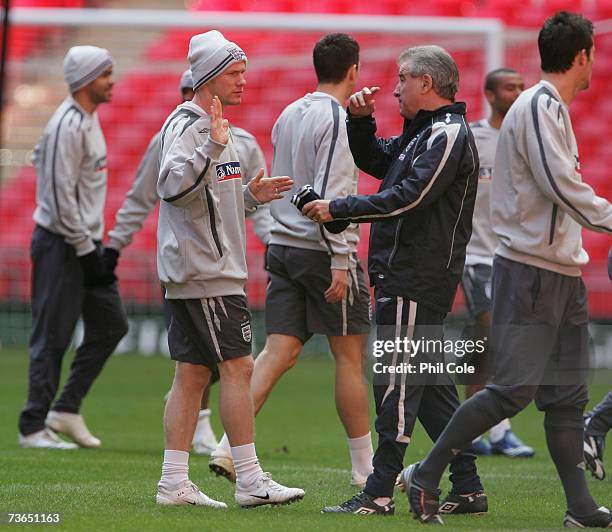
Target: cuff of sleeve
[(339, 262), (250, 201), (213, 149), (338, 209), (352, 118), (84, 247), (115, 244)]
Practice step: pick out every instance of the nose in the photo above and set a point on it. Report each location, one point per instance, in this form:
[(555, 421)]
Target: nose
[(396, 91)]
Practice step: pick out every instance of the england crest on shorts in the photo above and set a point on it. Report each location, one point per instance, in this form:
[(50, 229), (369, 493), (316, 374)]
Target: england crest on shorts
[(245, 327)]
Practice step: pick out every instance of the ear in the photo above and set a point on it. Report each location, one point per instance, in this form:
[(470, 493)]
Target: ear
[(581, 58), (490, 96), (426, 83), (353, 72)]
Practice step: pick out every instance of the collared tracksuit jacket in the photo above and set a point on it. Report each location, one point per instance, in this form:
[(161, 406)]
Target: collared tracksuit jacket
[(422, 214), (311, 146), (142, 197), (70, 162), (201, 236), (539, 203)]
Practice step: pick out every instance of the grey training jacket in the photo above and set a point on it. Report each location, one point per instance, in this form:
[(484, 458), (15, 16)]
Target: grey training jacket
[(311, 145), (539, 202), (201, 228), (142, 197), (70, 162)]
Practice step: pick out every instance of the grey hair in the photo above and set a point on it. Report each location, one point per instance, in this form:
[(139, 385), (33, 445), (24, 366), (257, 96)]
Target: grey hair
[(438, 63)]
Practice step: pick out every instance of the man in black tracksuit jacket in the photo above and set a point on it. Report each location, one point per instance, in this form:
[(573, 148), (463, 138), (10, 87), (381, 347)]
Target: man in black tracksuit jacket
[(421, 224)]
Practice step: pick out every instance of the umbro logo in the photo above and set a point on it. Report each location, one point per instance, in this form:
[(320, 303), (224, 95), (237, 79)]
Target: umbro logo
[(448, 507), (364, 511)]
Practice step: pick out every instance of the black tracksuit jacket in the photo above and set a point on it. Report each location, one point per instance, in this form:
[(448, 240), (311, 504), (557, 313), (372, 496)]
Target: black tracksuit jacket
[(422, 214)]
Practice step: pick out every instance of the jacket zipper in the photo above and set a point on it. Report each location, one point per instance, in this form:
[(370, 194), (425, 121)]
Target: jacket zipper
[(213, 223), (553, 223), (395, 246)]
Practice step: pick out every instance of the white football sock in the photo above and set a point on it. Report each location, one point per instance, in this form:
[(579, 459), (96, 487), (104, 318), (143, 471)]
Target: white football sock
[(175, 469), (203, 427), (361, 454), (498, 431), (246, 465), (224, 445)]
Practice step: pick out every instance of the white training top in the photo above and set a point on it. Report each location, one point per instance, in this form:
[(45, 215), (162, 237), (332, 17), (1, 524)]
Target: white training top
[(484, 241), (70, 162)]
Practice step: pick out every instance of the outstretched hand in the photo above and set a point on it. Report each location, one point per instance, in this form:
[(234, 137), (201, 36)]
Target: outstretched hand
[(362, 103), (219, 127), (266, 189)]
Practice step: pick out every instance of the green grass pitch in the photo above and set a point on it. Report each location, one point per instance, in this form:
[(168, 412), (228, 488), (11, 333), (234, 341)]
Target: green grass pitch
[(299, 440)]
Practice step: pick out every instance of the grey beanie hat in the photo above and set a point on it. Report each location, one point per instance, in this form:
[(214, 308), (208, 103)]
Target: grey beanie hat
[(83, 64), (210, 54)]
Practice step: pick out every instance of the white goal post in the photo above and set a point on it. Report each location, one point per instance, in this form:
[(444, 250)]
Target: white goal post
[(490, 29)]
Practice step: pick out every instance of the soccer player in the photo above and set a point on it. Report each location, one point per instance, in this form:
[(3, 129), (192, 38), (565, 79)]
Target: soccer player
[(502, 87), (539, 337), (202, 264), (421, 225), (70, 276), (316, 283), (141, 200)]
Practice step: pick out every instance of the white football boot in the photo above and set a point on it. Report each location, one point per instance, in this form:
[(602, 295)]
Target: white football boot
[(265, 491), (187, 493), (222, 465), (45, 439), (73, 426)]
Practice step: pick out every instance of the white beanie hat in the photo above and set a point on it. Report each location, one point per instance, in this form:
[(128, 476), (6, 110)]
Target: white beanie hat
[(83, 64), (186, 80), (210, 54)]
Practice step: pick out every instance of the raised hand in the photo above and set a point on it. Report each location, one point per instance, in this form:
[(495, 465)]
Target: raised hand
[(362, 103), (266, 189), (219, 127)]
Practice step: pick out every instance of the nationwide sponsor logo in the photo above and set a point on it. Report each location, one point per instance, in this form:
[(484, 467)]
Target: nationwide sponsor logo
[(485, 173), (245, 327), (226, 171)]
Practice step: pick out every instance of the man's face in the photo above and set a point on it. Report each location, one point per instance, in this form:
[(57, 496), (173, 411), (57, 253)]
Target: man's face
[(100, 90), (408, 91), (229, 85), (508, 87)]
